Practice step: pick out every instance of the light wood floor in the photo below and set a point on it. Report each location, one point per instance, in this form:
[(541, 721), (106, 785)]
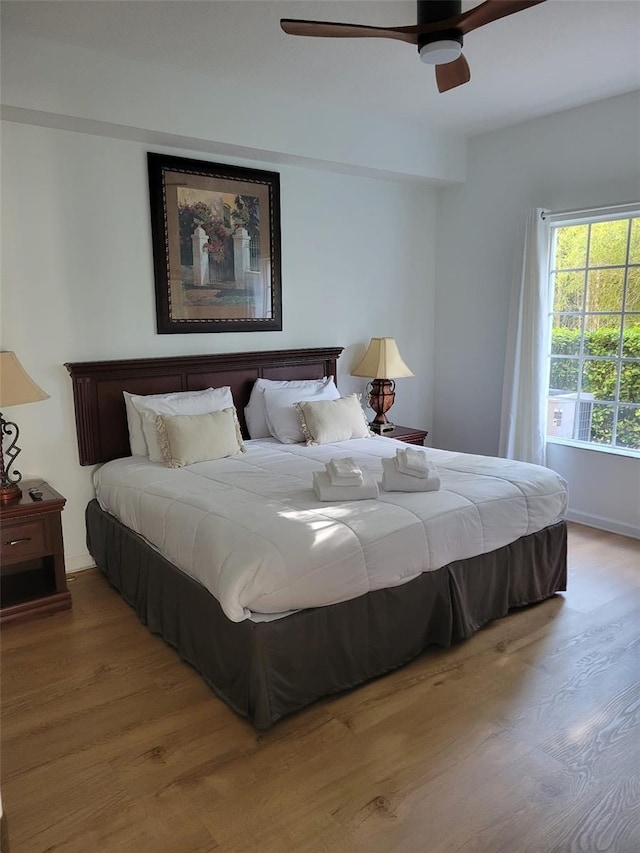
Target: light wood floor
[(523, 739)]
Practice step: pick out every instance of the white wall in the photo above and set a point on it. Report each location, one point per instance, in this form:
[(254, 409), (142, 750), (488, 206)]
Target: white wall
[(77, 281), (75, 87), (585, 157)]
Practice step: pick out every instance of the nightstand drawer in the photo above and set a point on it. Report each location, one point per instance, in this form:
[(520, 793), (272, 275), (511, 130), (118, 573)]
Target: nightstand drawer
[(22, 540)]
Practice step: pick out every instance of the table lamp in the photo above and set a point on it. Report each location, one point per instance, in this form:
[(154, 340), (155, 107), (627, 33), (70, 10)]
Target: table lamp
[(383, 363), (16, 388)]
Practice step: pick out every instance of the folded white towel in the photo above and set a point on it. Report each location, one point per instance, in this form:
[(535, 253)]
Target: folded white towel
[(324, 491), (394, 481), (414, 462), (344, 472)]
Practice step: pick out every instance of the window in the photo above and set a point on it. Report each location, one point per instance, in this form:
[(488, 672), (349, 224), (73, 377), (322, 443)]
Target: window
[(594, 377)]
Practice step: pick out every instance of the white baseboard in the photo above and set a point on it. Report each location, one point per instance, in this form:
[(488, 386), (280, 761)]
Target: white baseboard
[(602, 523), (79, 563)]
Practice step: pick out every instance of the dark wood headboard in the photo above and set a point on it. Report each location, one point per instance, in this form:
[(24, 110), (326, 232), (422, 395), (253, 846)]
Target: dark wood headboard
[(101, 420)]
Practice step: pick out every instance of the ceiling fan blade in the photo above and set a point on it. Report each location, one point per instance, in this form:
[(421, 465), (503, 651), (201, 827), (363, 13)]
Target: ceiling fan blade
[(452, 74), (491, 10), (328, 29)]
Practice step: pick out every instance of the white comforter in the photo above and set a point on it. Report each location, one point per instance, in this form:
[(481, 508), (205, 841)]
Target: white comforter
[(250, 529)]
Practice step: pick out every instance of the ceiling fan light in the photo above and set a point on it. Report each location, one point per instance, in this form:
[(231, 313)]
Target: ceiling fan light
[(440, 52)]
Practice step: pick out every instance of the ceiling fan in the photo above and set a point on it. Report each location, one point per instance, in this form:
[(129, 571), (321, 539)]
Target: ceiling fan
[(438, 34)]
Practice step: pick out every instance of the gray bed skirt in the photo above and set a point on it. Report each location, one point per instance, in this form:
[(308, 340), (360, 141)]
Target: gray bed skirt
[(265, 670)]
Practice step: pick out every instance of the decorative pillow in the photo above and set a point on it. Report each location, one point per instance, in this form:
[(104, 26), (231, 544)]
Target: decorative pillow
[(185, 439), (254, 413), (326, 421), (187, 403), (282, 416)]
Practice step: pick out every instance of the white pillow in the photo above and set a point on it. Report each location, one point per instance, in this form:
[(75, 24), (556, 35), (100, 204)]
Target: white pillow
[(327, 421), (282, 416), (185, 439), (254, 412), (137, 441), (188, 403), (136, 437)]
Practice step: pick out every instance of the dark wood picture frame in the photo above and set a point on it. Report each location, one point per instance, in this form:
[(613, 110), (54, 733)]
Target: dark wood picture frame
[(216, 246)]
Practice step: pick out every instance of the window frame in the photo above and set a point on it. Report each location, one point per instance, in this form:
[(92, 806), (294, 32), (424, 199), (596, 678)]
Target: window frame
[(591, 217)]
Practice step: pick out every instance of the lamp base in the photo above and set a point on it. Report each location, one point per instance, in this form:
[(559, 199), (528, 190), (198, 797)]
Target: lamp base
[(379, 428), (9, 493), (381, 398)]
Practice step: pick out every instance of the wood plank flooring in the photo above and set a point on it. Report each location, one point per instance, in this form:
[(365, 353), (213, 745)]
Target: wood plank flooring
[(523, 739)]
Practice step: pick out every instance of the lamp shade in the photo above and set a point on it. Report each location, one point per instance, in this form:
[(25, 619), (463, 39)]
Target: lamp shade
[(382, 361), (16, 386)]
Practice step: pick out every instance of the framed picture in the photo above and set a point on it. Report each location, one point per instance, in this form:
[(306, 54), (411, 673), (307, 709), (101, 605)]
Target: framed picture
[(216, 246)]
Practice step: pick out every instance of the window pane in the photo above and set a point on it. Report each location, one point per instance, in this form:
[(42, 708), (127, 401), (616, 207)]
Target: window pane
[(568, 291), (594, 378), (563, 377), (631, 337), (632, 300), (634, 248), (569, 417), (602, 334), (600, 379), (605, 288), (608, 243), (571, 247), (566, 334), (602, 424), (628, 430), (630, 382)]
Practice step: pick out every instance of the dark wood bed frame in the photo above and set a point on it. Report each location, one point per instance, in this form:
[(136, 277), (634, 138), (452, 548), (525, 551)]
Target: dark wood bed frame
[(265, 670)]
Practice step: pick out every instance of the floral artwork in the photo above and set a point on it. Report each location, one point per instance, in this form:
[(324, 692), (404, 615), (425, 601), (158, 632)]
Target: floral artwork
[(216, 242)]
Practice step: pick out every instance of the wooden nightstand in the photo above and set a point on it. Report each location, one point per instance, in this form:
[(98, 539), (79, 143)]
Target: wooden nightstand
[(32, 556), (407, 434)]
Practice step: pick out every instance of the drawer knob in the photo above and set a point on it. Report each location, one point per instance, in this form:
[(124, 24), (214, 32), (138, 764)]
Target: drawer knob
[(18, 541)]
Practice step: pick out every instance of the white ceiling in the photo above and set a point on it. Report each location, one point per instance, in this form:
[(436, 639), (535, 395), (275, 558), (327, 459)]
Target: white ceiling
[(551, 57)]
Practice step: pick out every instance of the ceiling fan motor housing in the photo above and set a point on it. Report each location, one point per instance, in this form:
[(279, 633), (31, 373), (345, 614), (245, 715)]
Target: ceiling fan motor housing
[(430, 12)]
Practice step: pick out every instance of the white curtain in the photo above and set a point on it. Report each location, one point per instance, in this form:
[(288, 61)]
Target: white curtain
[(524, 393)]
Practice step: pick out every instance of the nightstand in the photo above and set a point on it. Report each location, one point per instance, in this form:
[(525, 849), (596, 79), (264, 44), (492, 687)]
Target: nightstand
[(33, 579), (407, 434)]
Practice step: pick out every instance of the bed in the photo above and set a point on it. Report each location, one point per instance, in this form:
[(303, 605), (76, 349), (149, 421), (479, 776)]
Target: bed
[(269, 651)]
